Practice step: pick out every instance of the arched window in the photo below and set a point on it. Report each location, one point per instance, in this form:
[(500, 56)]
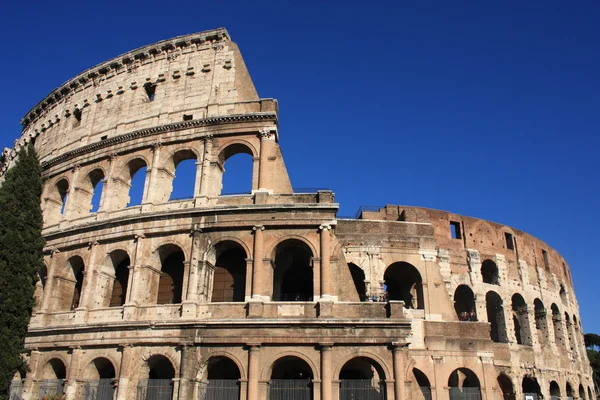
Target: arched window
[(423, 382), (581, 392), (68, 290), (559, 337), (229, 283), (238, 166), (183, 183), (541, 325), (521, 320), (129, 187), (53, 376), (506, 387), (291, 377), (99, 375), (404, 283), (118, 266), (464, 303), (463, 383), (569, 390), (293, 275), (530, 386), (570, 334), (489, 272), (554, 391), (495, 314), (358, 277), (223, 379), (563, 294), (170, 282), (362, 377), (56, 202), (159, 384)]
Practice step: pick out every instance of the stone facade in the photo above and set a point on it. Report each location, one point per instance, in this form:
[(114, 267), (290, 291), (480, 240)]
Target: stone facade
[(252, 290)]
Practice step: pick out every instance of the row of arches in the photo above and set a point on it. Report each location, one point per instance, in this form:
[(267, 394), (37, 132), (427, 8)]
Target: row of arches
[(129, 183), (465, 307)]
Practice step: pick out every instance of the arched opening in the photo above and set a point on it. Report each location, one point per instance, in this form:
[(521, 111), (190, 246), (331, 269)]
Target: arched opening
[(404, 283), (559, 337), (590, 393), (293, 275), (422, 381), (73, 285), (131, 192), (119, 262), (40, 286), (362, 377), (563, 294), (506, 387), (229, 283), (358, 277), (541, 325), (569, 326), (464, 303), (495, 314), (569, 391), (95, 181), (291, 378), (100, 377), (464, 384), (489, 272), (170, 281), (159, 385), (223, 379), (56, 202), (183, 165), (53, 376), (237, 167), (531, 387), (521, 320), (554, 391), (581, 392)]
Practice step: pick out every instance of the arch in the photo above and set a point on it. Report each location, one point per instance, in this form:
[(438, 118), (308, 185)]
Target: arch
[(43, 275), (222, 367), (160, 373), (570, 335), (554, 389), (464, 303), (223, 376), (495, 314), (229, 277), (358, 277), (203, 372), (179, 176), (463, 381), (236, 147), (132, 193), (581, 392), (56, 201), (530, 385), (293, 275), (362, 377), (170, 280), (559, 337), (267, 369), (241, 157), (404, 282), (590, 393), (521, 320), (489, 272), (291, 367), (54, 368), (71, 287), (117, 266), (422, 382), (275, 244), (563, 294), (540, 321), (291, 375), (93, 190), (506, 387), (569, 390), (100, 368)]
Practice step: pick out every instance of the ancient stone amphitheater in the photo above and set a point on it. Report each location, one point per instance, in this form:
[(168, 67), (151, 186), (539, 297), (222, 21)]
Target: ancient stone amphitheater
[(264, 295)]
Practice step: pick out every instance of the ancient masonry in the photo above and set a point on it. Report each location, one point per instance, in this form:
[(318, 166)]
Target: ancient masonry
[(265, 295)]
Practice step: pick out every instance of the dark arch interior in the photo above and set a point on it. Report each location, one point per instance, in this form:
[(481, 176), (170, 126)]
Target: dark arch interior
[(569, 390), (62, 188), (293, 276), (222, 368), (121, 262), (137, 175), (77, 267), (581, 392), (291, 368), (96, 178), (160, 368), (506, 386), (58, 368), (358, 277), (489, 272), (170, 285), (43, 274), (463, 378), (229, 283), (495, 314), (464, 303), (362, 368), (421, 378), (105, 368), (530, 385), (554, 389), (404, 283)]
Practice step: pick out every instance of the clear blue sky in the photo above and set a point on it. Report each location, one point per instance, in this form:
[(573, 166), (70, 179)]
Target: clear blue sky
[(489, 109)]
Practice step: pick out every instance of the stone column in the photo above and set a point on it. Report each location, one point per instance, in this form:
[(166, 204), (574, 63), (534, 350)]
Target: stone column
[(88, 280), (199, 170), (267, 138), (257, 267), (72, 372), (148, 194), (191, 297), (49, 283), (205, 167), (107, 195), (398, 360), (253, 371), (131, 298), (30, 390), (326, 377), (127, 368), (325, 261), (71, 200), (188, 363)]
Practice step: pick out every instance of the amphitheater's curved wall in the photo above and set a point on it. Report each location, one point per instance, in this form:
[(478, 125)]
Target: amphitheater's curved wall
[(262, 293)]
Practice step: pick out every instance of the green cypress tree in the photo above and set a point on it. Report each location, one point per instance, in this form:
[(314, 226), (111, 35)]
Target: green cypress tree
[(21, 259)]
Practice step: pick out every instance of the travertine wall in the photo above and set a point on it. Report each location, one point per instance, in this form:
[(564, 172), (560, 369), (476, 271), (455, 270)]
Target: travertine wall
[(170, 288)]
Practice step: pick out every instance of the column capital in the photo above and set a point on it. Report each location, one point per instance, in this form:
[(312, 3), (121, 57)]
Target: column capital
[(399, 346), (157, 146), (208, 138), (267, 134), (254, 346), (326, 346), (325, 227), (113, 157), (258, 228)]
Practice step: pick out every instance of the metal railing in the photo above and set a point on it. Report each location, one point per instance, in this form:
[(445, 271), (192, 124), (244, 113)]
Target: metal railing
[(362, 389), (52, 387), (426, 391), (467, 393), (155, 389), (16, 389), (102, 389), (290, 389), (221, 389)]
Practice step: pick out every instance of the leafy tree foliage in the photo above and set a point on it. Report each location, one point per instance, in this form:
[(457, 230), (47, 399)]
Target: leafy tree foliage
[(592, 342), (21, 259)]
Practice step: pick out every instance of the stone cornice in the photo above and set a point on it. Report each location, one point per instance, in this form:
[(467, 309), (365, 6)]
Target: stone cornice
[(141, 53), (218, 120)]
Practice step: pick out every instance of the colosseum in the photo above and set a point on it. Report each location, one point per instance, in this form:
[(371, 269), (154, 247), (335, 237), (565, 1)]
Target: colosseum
[(268, 294)]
